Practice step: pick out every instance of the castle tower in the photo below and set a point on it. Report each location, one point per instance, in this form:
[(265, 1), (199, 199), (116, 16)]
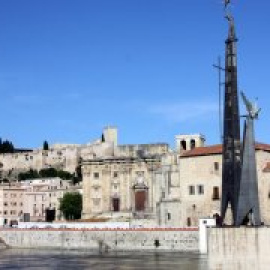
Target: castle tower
[(231, 137), (110, 135)]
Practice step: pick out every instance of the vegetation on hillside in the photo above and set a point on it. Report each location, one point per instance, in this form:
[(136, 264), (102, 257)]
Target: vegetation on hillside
[(49, 173), (6, 147)]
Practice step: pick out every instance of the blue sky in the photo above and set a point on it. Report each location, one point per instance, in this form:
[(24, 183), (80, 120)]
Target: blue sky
[(68, 68)]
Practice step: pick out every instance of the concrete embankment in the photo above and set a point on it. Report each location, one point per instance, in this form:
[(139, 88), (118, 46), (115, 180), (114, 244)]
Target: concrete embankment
[(184, 240), (239, 248)]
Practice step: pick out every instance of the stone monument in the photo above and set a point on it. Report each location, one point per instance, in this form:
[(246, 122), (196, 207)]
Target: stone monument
[(239, 175)]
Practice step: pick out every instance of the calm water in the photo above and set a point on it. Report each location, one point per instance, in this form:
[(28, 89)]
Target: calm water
[(51, 259)]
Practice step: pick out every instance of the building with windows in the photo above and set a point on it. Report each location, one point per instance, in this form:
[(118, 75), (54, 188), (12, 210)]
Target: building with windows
[(45, 193), (170, 188), (201, 179), (12, 200), (28, 200), (136, 182), (122, 183)]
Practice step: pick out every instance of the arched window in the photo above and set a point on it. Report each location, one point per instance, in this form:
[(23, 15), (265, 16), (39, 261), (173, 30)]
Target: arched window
[(188, 221), (192, 144), (183, 145)]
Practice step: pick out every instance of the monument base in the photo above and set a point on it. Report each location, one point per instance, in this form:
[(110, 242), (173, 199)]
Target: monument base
[(238, 248)]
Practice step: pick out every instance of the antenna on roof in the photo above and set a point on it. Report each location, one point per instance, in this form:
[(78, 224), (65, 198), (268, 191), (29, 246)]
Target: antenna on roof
[(220, 85)]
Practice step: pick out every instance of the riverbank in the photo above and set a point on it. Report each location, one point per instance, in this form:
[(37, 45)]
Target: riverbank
[(104, 240)]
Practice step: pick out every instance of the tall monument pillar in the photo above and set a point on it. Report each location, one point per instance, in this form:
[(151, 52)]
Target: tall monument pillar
[(231, 136)]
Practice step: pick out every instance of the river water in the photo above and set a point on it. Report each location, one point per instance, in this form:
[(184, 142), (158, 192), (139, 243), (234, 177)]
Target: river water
[(56, 259), (53, 259)]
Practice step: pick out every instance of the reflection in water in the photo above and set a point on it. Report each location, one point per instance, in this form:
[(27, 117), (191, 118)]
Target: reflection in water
[(239, 263), (54, 259)]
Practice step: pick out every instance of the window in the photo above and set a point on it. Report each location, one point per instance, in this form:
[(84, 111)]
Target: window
[(216, 166), (169, 216), (140, 173), (192, 144), (115, 174), (191, 190), (5, 212), (215, 193), (96, 175), (183, 145), (188, 221), (200, 189)]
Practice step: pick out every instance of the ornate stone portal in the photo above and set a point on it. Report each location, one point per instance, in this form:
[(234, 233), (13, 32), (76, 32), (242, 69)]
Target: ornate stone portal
[(140, 195)]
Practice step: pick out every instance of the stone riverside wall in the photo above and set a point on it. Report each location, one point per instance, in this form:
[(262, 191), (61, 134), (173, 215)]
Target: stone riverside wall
[(186, 240), (239, 248)]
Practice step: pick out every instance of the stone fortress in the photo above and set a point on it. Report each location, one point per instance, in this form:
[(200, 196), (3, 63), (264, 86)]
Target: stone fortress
[(150, 184)]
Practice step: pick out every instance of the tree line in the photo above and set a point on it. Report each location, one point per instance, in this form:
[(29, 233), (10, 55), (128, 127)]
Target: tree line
[(49, 173), (6, 147)]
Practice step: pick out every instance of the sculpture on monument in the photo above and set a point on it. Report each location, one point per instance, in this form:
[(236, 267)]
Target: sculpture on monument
[(248, 210)]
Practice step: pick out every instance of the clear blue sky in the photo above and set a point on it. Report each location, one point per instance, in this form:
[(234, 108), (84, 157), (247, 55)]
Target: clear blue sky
[(68, 68)]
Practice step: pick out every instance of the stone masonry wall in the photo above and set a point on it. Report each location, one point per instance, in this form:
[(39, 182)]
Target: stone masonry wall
[(135, 239)]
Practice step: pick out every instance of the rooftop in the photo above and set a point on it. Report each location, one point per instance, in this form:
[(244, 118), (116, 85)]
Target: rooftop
[(217, 150)]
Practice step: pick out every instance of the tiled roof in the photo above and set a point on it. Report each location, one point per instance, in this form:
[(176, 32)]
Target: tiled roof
[(204, 151), (217, 150)]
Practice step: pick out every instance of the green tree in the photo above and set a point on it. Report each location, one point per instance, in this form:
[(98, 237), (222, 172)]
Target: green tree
[(45, 145), (48, 172), (65, 175), (71, 205), (31, 174)]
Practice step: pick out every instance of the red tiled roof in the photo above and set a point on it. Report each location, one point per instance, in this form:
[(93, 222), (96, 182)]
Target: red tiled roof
[(204, 151), (217, 150)]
